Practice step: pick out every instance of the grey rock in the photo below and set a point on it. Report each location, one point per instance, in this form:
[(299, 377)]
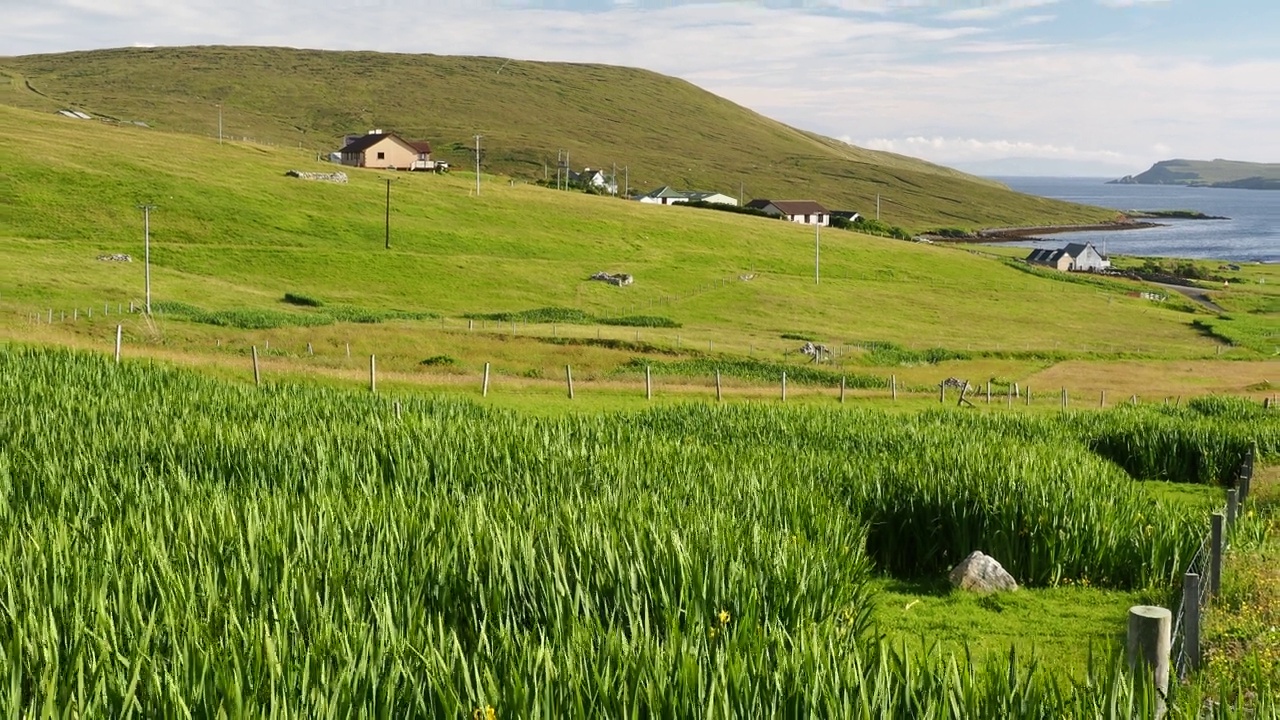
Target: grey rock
[(981, 573)]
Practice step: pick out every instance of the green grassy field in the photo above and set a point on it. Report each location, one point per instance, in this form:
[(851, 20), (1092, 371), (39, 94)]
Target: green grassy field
[(666, 131), (183, 545), (231, 232)]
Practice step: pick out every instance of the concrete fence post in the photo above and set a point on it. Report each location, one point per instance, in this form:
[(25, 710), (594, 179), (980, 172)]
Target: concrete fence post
[(784, 387), (568, 379), (1233, 507), (1191, 619), (119, 331), (373, 373), (484, 388), (648, 383), (1215, 553), (257, 377), (1148, 645)]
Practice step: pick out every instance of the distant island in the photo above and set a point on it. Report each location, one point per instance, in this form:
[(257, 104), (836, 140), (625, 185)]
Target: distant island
[(1208, 173)]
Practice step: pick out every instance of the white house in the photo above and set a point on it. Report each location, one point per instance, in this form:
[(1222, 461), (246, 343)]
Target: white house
[(594, 178), (1078, 257), (666, 195), (806, 212)]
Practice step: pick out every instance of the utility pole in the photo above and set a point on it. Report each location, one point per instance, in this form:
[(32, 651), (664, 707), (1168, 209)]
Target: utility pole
[(146, 253), (477, 164), (626, 173), (388, 213), (877, 206), (614, 179), (817, 249)]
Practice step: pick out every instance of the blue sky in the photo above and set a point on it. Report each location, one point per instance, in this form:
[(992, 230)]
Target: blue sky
[(1099, 86)]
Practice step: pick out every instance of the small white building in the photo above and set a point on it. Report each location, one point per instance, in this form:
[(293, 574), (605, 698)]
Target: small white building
[(594, 178), (666, 195)]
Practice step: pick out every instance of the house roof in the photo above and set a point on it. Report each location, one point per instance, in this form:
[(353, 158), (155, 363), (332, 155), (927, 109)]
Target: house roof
[(421, 146), (1046, 256), (364, 142), (696, 195), (665, 191), (847, 214), (1075, 249), (791, 207)]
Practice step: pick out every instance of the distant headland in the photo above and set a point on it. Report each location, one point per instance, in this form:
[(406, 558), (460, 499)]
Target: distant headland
[(1208, 173)]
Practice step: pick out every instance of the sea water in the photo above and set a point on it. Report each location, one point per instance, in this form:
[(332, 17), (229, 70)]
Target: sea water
[(1251, 234)]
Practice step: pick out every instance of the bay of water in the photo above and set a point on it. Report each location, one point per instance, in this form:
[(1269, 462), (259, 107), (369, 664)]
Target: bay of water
[(1252, 234)]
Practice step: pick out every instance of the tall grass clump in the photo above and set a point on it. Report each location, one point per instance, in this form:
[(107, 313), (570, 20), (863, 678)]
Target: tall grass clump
[(180, 546)]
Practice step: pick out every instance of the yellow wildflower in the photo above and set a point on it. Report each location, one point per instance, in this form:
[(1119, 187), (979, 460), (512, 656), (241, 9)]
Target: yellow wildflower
[(724, 617), (485, 713)]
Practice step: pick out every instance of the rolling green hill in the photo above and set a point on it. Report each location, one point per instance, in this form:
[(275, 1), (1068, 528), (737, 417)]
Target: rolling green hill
[(663, 130), (1209, 173), (231, 231)]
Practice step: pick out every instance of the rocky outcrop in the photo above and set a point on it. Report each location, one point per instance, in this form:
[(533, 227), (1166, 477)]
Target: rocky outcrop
[(115, 258), (335, 177), (981, 573), (618, 279)]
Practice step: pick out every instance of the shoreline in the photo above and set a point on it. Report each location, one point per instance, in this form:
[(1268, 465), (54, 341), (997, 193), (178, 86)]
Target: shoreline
[(1031, 233)]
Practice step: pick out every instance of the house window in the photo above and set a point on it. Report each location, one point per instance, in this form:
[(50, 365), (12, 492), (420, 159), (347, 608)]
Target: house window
[(806, 217), (382, 156)]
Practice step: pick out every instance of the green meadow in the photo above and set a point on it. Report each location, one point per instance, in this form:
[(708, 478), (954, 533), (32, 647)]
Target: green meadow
[(664, 131)]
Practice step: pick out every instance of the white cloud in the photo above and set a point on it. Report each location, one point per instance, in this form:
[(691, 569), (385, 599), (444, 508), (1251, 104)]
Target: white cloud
[(1129, 3), (991, 10), (944, 149)]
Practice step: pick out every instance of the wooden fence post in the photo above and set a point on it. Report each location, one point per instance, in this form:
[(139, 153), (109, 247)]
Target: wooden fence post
[(397, 409), (1215, 553), (1028, 396), (1064, 398), (893, 387), (719, 396), (648, 383), (1148, 644), (257, 378), (843, 383), (310, 351), (568, 379), (942, 392), (1102, 399), (1133, 400), (373, 373), (348, 351), (988, 392), (1233, 507), (1191, 619), (119, 330), (484, 389), (784, 387)]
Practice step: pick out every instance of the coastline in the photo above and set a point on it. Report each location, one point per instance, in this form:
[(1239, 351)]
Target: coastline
[(1031, 233), (1002, 235)]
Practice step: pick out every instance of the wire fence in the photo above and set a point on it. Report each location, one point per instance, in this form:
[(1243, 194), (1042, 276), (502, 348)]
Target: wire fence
[(1203, 575)]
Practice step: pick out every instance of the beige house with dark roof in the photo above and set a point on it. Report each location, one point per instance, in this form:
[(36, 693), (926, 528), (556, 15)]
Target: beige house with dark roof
[(383, 150), (806, 212)]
